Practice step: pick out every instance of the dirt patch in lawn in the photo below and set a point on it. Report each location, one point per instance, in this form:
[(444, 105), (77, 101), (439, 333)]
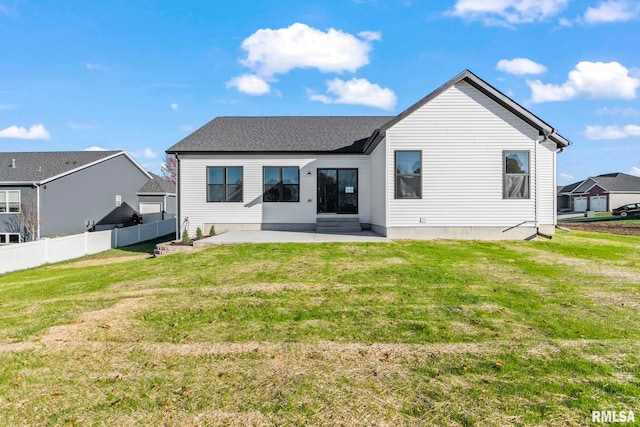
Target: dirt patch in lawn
[(90, 324), (604, 227)]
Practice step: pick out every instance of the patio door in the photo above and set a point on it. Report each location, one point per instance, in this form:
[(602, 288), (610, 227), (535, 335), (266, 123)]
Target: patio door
[(338, 191)]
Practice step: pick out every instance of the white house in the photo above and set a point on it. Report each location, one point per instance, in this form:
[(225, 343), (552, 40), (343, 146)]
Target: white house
[(464, 162)]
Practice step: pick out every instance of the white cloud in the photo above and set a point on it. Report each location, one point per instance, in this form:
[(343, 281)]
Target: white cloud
[(7, 107), (175, 107), (357, 91), (635, 171), (520, 66), (567, 176), (508, 12), (596, 80), (279, 51), (145, 153), (612, 11), (95, 148), (34, 132), (96, 67), (250, 84), (371, 36), (611, 132), (187, 128)]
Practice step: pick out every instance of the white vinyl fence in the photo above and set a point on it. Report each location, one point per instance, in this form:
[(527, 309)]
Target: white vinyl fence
[(33, 254)]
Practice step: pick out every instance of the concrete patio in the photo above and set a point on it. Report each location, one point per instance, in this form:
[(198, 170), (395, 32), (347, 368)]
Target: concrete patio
[(265, 236)]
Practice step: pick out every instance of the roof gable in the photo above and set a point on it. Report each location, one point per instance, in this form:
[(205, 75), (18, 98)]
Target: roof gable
[(467, 76), (41, 167)]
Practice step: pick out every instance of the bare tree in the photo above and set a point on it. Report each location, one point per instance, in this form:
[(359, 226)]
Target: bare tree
[(24, 222), (169, 168)]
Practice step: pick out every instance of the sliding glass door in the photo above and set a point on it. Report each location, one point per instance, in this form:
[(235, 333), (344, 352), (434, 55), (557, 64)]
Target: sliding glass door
[(338, 191)]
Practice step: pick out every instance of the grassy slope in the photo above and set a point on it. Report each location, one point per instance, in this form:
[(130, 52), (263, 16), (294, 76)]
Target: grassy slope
[(409, 333)]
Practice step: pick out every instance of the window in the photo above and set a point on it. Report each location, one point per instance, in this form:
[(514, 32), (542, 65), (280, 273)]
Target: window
[(408, 174), (10, 201), (281, 184), (516, 175), (9, 238), (224, 184)]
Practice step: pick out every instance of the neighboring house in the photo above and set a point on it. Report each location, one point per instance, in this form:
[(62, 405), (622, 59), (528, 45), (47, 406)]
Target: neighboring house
[(600, 193), (466, 161), (62, 193), (157, 199)]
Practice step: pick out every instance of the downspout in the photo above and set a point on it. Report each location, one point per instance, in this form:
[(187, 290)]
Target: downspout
[(177, 196), (37, 211)]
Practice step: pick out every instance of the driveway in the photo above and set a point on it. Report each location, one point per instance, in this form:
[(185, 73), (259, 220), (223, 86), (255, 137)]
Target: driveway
[(265, 236)]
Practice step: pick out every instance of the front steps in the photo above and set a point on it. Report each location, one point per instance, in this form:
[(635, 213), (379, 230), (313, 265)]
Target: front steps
[(337, 225)]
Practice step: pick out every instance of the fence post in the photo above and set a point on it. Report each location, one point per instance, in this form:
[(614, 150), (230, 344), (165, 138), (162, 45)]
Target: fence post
[(115, 243), (139, 226)]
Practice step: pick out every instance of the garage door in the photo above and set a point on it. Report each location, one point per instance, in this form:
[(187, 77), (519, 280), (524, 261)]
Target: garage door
[(148, 208), (599, 203), (580, 204)]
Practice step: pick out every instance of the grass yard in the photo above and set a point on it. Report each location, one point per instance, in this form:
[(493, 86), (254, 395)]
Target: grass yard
[(405, 333)]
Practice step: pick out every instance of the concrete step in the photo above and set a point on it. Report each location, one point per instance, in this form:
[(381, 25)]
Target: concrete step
[(338, 225)]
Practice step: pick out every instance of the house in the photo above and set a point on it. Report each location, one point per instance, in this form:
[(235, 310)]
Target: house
[(465, 161), (58, 193), (600, 193), (157, 199)]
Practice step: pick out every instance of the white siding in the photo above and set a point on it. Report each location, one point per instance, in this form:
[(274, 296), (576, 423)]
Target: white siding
[(546, 201), (378, 179), (462, 135), (193, 187)]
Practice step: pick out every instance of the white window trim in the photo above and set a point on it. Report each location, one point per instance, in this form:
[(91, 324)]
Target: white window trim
[(4, 198), (7, 238)]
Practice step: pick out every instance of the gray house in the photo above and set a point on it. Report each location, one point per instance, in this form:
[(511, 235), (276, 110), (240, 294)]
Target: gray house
[(600, 193), (157, 199), (58, 193)]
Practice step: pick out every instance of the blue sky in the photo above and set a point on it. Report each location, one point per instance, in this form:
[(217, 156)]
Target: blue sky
[(140, 76)]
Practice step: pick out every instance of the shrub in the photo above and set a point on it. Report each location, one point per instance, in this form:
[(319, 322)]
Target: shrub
[(199, 234), (212, 230), (185, 236)]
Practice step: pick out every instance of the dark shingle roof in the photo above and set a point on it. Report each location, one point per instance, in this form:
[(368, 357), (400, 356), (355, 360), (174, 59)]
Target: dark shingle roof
[(282, 134), (331, 134), (569, 188), (40, 166), (618, 181), (158, 185)]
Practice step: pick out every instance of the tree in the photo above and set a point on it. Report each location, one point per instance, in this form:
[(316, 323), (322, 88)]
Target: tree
[(169, 168), (24, 222)]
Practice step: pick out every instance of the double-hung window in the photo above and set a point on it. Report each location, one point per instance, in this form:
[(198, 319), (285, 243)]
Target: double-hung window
[(10, 201), (408, 166), (516, 175), (281, 184), (224, 184)]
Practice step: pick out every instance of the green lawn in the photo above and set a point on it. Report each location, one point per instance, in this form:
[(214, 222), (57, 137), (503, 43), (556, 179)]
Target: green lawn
[(405, 333)]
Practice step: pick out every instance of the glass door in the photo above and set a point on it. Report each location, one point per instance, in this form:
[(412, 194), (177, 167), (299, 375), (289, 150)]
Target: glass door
[(338, 191)]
